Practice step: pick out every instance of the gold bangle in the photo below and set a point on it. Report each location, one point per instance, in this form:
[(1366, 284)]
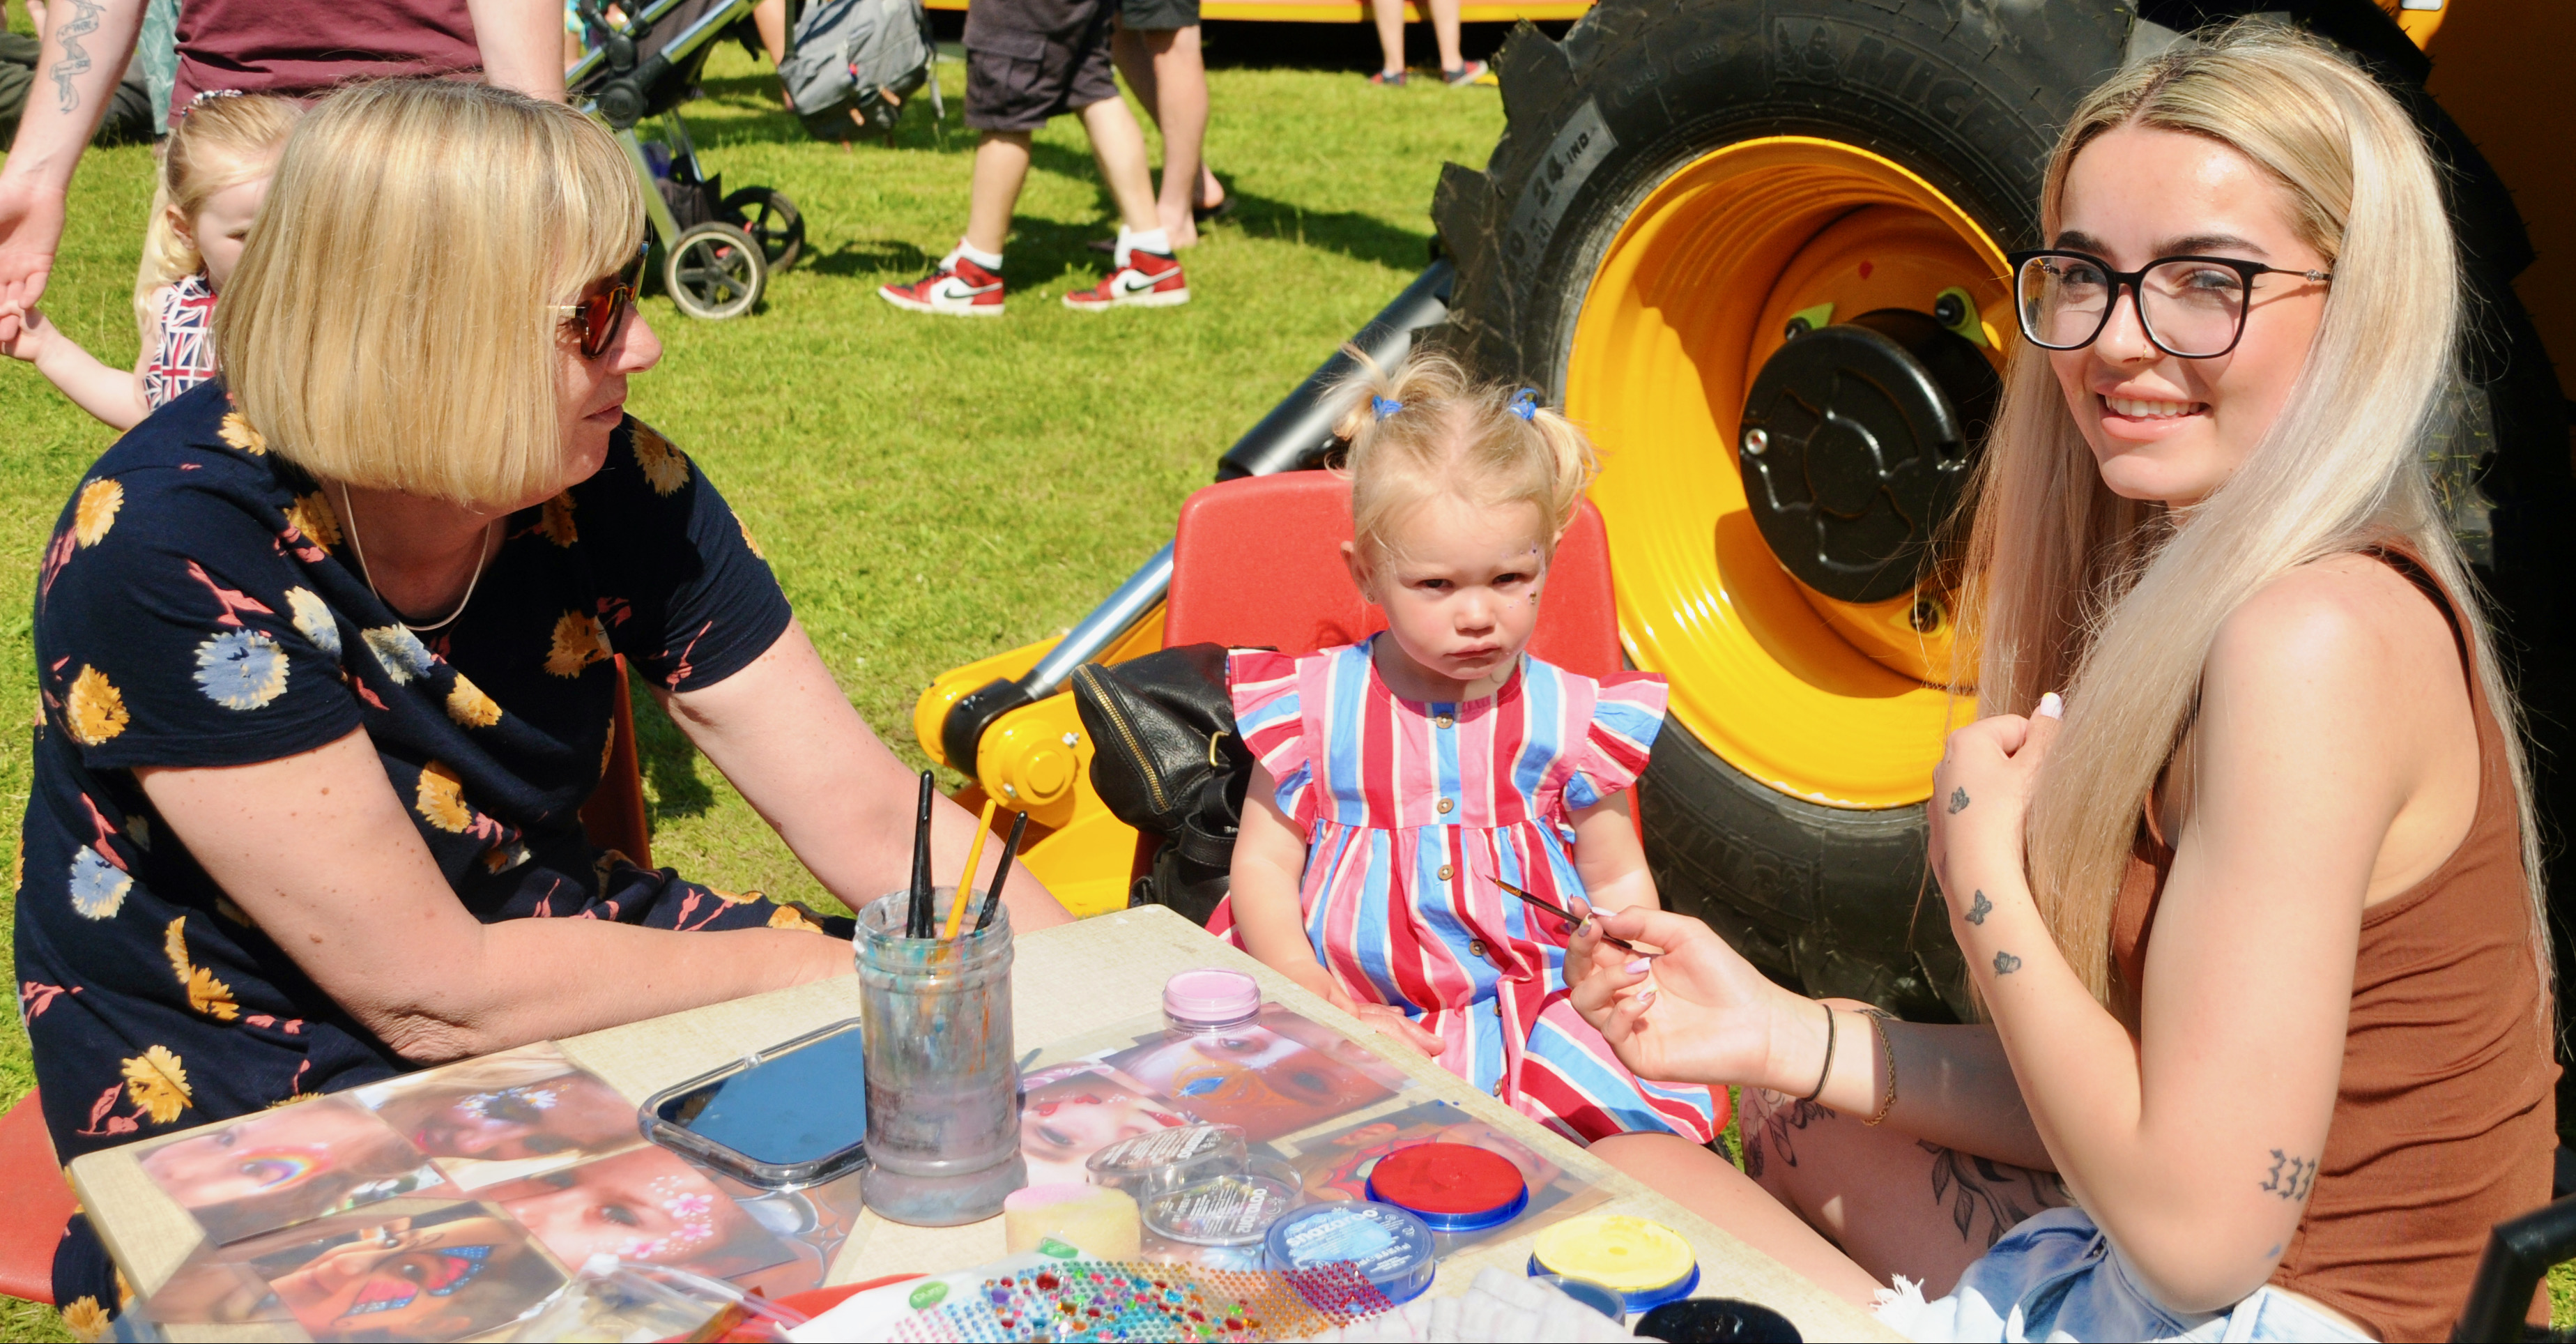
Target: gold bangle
[(1888, 1049)]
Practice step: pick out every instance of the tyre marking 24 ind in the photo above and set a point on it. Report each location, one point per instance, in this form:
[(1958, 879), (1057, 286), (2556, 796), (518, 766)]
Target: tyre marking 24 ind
[(1578, 149)]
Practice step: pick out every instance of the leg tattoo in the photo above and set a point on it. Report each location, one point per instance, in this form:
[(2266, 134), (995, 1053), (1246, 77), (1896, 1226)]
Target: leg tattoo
[(1995, 1193)]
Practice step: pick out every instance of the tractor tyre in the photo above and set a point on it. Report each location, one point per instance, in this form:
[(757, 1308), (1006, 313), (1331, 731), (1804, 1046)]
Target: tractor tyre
[(1682, 190)]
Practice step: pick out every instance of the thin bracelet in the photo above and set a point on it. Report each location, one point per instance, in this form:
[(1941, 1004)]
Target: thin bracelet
[(1828, 1070), (1888, 1048)]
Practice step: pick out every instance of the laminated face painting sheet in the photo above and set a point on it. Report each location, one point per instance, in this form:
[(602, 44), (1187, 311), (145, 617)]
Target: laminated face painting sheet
[(405, 1269), (1278, 1075), (1335, 1164), (810, 1225), (519, 1113), (647, 1206), (290, 1165)]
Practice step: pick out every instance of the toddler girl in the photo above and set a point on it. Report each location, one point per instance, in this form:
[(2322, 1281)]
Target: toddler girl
[(214, 174), (1397, 779)]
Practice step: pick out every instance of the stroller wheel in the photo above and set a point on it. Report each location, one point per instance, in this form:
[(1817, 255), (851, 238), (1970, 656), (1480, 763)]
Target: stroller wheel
[(771, 220), (715, 271)]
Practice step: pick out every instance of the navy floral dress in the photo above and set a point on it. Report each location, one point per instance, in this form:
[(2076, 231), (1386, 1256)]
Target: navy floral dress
[(200, 605)]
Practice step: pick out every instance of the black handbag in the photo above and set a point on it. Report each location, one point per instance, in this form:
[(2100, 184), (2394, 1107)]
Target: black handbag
[(1167, 761)]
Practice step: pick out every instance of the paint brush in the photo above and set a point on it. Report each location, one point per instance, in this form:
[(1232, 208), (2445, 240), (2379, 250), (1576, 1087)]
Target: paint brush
[(1002, 869), (966, 879), (1562, 913), (918, 923)]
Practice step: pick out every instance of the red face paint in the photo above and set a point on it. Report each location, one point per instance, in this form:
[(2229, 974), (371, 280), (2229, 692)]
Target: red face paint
[(1454, 1187)]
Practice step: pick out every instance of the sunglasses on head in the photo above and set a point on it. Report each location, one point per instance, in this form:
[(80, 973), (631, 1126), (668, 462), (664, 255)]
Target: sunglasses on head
[(602, 313)]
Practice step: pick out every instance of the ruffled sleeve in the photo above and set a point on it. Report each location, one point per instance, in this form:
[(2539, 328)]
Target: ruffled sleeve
[(1626, 715), (1268, 713)]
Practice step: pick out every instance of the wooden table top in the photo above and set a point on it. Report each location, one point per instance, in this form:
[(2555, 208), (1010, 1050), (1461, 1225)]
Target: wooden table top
[(1071, 980)]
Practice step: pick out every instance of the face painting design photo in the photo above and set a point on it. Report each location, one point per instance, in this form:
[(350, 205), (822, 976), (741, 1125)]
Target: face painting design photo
[(1069, 1112), (288, 1166), (508, 1116), (461, 1269), (1273, 1078), (646, 1205)]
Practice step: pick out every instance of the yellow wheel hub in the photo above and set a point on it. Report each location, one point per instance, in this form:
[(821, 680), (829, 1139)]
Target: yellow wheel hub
[(1823, 700)]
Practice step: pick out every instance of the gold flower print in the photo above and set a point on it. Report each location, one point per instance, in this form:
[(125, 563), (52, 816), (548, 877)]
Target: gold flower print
[(756, 552), (440, 799), (785, 917), (665, 466), (158, 1082), (313, 620), (174, 945), (94, 709), (86, 1320), (96, 512), (400, 652), (311, 514), (206, 994), (579, 641), (237, 432), (555, 521), (241, 669), (469, 706)]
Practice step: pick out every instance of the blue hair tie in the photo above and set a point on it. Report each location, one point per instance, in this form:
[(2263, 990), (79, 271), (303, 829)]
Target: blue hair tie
[(1385, 406), (1525, 403)]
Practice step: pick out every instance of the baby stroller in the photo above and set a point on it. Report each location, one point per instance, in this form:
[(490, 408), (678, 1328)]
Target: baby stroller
[(716, 250)]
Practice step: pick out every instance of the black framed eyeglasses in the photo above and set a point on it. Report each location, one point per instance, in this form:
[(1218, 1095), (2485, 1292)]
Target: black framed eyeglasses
[(2190, 307), (602, 314)]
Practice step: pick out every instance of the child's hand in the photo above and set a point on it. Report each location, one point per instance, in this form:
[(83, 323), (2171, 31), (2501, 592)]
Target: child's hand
[(29, 343), (1391, 1021)]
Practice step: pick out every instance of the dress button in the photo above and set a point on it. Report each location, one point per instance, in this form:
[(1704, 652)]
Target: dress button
[(1448, 871), (1444, 806), (1501, 1086), (1443, 721), (1475, 947)]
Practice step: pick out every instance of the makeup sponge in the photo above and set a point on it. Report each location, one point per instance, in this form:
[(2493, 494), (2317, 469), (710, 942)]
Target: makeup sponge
[(1101, 1221)]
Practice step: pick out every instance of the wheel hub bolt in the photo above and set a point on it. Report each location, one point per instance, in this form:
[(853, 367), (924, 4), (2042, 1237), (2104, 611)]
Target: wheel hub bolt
[(1949, 310), (1798, 326), (1925, 617), (1756, 441)]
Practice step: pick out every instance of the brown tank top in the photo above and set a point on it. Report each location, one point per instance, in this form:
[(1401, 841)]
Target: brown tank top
[(2445, 1118)]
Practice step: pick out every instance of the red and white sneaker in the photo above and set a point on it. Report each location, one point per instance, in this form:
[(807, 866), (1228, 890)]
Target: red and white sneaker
[(959, 288), (1148, 280)]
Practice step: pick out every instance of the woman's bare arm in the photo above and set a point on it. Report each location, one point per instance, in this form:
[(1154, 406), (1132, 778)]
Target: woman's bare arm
[(319, 850), (781, 730)]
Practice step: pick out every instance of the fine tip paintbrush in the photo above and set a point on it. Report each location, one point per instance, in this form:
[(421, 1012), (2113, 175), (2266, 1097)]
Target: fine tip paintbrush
[(1561, 913), (966, 878), (1001, 870), (919, 920)]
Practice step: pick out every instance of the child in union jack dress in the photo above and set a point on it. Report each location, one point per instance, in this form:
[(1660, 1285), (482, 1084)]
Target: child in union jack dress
[(1398, 779)]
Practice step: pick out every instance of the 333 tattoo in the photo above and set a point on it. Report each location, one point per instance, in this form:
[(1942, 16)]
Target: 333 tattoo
[(2290, 1177)]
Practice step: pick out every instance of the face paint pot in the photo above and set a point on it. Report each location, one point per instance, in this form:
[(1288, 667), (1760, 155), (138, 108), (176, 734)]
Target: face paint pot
[(1645, 1262), (1391, 1248), (1149, 1164), (1210, 1000), (1451, 1187), (943, 1088)]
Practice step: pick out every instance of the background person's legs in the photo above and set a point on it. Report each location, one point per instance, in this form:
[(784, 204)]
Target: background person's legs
[(1165, 68), (1390, 33), (1444, 33), (1894, 1204), (1711, 1187), (1001, 167), (1119, 145)]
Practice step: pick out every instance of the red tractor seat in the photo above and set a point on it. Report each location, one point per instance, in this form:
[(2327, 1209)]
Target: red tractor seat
[(1258, 562), (39, 1202)]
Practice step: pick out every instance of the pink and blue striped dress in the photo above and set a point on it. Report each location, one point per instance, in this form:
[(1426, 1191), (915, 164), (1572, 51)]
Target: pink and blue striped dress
[(1411, 812)]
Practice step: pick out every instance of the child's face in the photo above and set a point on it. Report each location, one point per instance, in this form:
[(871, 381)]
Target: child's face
[(223, 225), (1459, 583)]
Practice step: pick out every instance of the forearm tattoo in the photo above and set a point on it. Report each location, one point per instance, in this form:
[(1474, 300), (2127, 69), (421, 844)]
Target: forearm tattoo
[(74, 62), (2006, 963), (1958, 801), (1980, 907), (1996, 1194), (1778, 1132), (2290, 1177)]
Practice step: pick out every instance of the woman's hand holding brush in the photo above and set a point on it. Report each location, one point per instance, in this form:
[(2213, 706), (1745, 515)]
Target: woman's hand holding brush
[(1697, 1012)]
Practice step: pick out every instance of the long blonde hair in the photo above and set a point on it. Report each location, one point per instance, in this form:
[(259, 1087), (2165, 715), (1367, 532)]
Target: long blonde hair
[(218, 143), (392, 324), (2114, 601), (1425, 427)]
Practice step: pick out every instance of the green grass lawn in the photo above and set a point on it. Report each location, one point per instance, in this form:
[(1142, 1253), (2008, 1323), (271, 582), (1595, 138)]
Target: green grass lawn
[(929, 491)]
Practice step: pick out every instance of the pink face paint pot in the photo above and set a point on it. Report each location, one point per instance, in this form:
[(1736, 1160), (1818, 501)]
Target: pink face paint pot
[(1210, 1000), (1452, 1187)]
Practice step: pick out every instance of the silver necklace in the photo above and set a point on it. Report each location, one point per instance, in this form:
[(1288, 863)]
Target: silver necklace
[(482, 557)]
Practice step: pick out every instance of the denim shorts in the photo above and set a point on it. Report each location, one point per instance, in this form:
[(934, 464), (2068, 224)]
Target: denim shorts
[(2056, 1277)]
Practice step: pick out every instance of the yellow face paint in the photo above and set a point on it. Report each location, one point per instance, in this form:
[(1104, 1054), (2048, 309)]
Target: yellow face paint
[(1631, 1255)]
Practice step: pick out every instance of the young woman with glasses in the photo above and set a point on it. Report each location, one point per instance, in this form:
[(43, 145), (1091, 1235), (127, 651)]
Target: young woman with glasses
[(2241, 857), (327, 650)]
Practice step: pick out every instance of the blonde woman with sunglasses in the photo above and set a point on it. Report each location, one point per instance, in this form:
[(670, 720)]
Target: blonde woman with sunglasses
[(328, 652), (2241, 856)]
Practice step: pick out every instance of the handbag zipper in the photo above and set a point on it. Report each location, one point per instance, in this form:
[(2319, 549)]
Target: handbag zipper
[(1089, 675)]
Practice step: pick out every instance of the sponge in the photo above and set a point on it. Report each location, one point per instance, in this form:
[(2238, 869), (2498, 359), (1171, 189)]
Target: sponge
[(1099, 1220)]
